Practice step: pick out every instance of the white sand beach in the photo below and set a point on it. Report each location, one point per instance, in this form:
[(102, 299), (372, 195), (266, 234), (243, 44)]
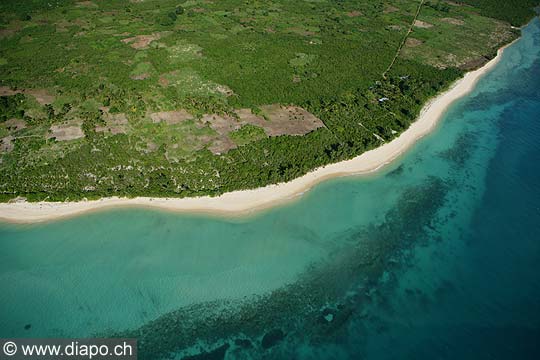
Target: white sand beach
[(249, 201)]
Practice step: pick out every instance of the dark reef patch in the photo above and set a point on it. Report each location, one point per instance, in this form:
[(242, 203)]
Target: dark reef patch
[(243, 343), (461, 150), (272, 338)]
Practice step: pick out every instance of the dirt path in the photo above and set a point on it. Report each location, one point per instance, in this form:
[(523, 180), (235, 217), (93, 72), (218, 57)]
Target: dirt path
[(405, 38)]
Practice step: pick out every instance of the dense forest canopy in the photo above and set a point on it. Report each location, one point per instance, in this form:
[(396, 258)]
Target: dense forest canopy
[(516, 12)]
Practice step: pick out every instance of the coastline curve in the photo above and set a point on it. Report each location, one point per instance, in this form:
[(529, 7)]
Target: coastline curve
[(246, 202)]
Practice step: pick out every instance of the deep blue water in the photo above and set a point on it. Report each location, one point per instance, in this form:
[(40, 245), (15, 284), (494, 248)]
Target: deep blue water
[(435, 257)]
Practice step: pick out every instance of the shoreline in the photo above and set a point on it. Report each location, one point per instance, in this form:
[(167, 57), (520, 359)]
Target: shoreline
[(246, 202)]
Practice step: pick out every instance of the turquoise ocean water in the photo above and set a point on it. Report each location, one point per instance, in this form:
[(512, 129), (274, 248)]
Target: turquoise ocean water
[(435, 257)]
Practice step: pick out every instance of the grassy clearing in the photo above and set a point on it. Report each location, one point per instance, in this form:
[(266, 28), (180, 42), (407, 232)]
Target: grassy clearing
[(246, 134)]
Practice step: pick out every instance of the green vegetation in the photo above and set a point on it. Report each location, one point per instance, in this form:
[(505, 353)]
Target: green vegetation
[(102, 98), (12, 106), (247, 134), (516, 12), (433, 42)]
